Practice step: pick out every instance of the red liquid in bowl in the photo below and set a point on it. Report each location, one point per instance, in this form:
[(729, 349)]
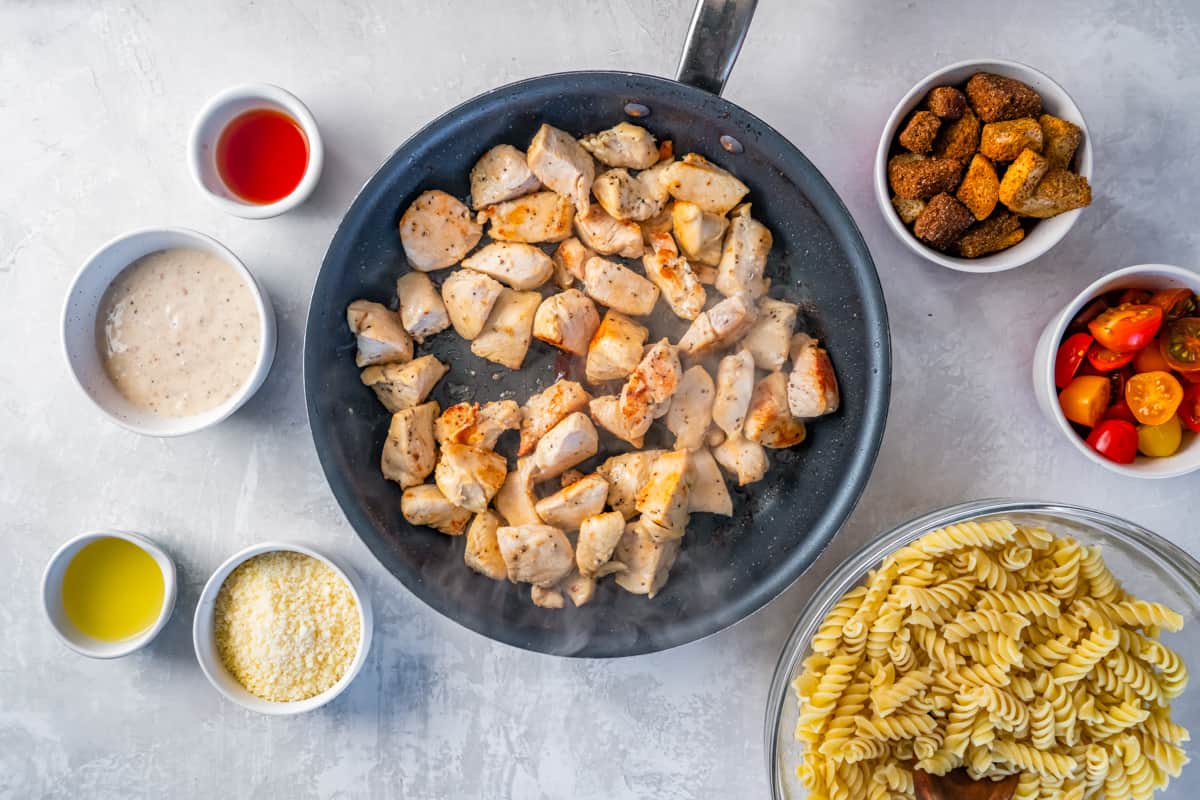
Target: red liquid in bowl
[(262, 156)]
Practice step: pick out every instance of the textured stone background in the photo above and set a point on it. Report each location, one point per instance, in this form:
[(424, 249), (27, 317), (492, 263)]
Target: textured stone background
[(96, 102)]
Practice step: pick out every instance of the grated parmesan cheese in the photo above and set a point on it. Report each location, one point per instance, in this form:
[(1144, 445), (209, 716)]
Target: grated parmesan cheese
[(286, 626)]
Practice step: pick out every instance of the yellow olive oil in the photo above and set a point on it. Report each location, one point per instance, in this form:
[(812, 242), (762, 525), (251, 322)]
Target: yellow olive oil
[(112, 589)]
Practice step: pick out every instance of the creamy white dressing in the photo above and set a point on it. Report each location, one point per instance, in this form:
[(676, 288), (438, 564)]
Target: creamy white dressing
[(178, 332)]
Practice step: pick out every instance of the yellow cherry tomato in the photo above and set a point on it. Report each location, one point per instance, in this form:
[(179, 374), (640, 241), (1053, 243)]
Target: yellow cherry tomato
[(1085, 399), (1153, 397), (1160, 441)]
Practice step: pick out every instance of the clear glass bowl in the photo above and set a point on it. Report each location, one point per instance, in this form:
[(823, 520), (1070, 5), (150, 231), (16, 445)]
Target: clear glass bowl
[(1146, 564)]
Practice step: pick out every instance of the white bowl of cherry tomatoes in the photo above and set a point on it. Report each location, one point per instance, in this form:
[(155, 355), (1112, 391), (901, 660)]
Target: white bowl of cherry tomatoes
[(1118, 371)]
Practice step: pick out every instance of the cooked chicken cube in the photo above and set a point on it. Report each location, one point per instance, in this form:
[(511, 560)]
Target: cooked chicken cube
[(699, 232), (768, 420), (501, 174), (647, 563), (538, 554), (674, 277), (381, 335), (569, 259), (656, 181), (625, 197), (651, 384), (469, 424), (623, 145), (518, 265), (580, 588), (619, 288), (483, 551), (469, 297), (691, 408), (426, 505), (616, 348), (546, 409), (538, 217), (662, 222), (468, 476), (744, 257), (515, 500), (663, 499), (421, 308), (608, 235), (567, 320), (606, 412), (436, 231), (408, 451), (400, 386), (570, 506), (547, 597), (742, 458), (812, 387), (566, 444), (598, 537), (569, 477), (697, 180), (626, 473), (708, 492), (505, 336), (562, 165), (771, 333), (735, 386), (720, 326)]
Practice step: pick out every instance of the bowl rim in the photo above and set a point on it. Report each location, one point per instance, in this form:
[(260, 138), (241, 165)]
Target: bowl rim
[(1016, 256), (209, 660), (51, 584)]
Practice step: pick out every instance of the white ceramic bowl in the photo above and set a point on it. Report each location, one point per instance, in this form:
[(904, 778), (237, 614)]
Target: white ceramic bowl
[(83, 353), (218, 113), (206, 649), (1039, 238), (80, 642), (1143, 276)]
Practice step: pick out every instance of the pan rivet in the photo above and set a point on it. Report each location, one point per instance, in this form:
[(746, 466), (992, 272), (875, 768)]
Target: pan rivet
[(731, 144), (637, 110)]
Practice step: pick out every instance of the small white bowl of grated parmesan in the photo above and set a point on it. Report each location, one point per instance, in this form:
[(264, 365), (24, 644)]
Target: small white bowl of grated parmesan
[(281, 628)]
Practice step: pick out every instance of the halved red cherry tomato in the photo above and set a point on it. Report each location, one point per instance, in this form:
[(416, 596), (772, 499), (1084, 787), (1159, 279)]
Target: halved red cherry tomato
[(1127, 328), (1180, 344), (1153, 397), (1088, 313), (1106, 360), (1085, 399), (1150, 359), (1189, 409), (1134, 297), (1175, 303), (1120, 410), (1115, 439), (1070, 355)]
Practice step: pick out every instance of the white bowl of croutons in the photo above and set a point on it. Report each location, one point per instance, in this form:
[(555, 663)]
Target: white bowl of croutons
[(983, 166)]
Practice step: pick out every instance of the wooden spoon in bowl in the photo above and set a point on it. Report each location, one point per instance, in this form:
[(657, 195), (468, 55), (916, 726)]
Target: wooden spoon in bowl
[(957, 785)]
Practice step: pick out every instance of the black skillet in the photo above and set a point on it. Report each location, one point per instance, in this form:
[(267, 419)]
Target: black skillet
[(728, 568)]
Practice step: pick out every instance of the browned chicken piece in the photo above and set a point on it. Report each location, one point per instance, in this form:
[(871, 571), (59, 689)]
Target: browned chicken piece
[(708, 493), (623, 145), (469, 424), (812, 388), (619, 287), (426, 505), (566, 444), (518, 265), (421, 309), (662, 222), (538, 554), (742, 458), (400, 386), (469, 477), (567, 320), (569, 259), (674, 277), (699, 232), (607, 235), (606, 412), (570, 506), (647, 563), (381, 335), (744, 257), (735, 386), (469, 297), (580, 588), (770, 335), (562, 165), (695, 179), (569, 477), (663, 499), (543, 597), (436, 231), (691, 408), (721, 325), (408, 451), (537, 217), (507, 332), (515, 500), (769, 421), (656, 181), (483, 550), (626, 473), (546, 409), (625, 196), (644, 396), (598, 537), (501, 174), (615, 349)]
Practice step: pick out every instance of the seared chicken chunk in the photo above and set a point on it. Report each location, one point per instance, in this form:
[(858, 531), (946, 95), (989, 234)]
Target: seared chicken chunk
[(656, 181), (437, 231), (562, 165), (567, 320), (580, 588), (647, 563), (483, 551), (625, 197), (735, 386), (771, 333), (468, 476), (408, 451), (381, 335), (644, 396), (515, 500), (616, 348), (663, 499), (505, 337), (546, 409), (623, 145), (606, 411), (742, 458), (662, 222), (426, 505), (812, 387), (401, 386), (608, 235), (618, 287), (518, 265), (501, 174), (569, 477), (720, 326), (544, 597), (768, 420), (569, 259), (674, 277), (469, 297), (626, 474), (467, 423), (697, 180), (537, 217), (570, 506), (421, 308), (698, 232), (744, 257), (538, 554), (598, 537), (566, 444), (691, 408), (708, 492)]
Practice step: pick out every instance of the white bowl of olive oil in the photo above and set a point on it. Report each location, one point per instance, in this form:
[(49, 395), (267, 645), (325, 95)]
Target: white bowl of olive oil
[(108, 593)]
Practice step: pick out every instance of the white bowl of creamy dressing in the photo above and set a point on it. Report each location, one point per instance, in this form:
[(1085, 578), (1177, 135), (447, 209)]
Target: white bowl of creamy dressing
[(167, 332)]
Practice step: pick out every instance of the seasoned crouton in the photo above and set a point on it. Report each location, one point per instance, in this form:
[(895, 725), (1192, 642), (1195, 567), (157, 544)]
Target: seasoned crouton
[(996, 98), (980, 187), (922, 178), (1004, 141), (959, 139), (1060, 140), (1058, 191), (908, 209), (998, 233), (947, 102), (1021, 179), (919, 133), (942, 222)]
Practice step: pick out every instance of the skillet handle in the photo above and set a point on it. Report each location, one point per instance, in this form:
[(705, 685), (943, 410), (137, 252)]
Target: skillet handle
[(713, 42)]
